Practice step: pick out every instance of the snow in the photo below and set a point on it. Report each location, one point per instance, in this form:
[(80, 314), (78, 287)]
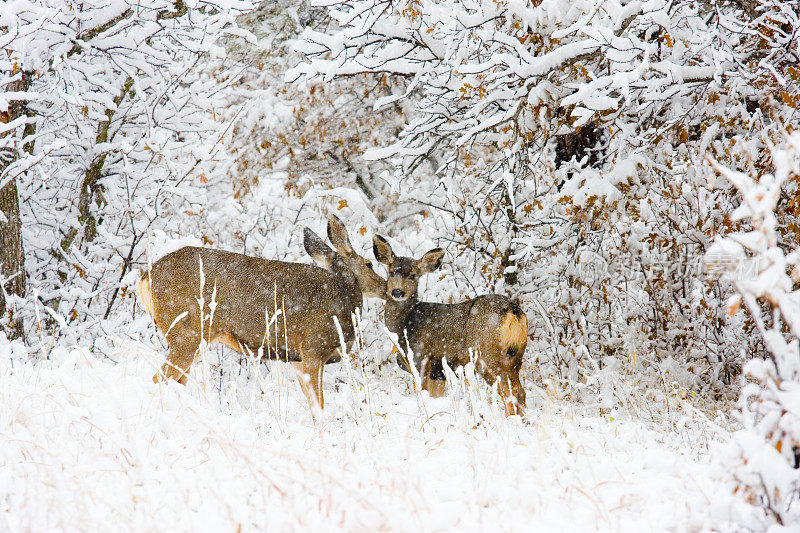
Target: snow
[(88, 441), (627, 428)]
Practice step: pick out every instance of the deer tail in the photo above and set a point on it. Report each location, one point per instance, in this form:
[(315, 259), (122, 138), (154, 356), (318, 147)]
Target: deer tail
[(513, 336), (145, 292)]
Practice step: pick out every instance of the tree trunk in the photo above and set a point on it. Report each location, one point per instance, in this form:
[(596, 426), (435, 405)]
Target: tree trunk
[(91, 178), (12, 259), (12, 256)]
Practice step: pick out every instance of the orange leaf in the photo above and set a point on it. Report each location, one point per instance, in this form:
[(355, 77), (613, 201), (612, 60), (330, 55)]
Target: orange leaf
[(791, 100), (734, 304), (363, 231), (342, 204)]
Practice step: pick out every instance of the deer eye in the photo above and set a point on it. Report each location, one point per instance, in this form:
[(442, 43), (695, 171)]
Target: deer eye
[(369, 265)]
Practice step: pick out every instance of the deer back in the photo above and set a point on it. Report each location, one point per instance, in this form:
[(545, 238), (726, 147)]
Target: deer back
[(436, 330), (246, 292)]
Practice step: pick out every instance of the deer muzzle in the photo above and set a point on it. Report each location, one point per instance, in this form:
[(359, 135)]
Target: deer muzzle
[(398, 294)]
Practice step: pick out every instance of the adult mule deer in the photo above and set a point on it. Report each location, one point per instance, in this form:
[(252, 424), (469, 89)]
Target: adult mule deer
[(279, 309), (492, 327)]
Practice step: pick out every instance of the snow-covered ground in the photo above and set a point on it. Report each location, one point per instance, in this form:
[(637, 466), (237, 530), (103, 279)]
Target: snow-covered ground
[(89, 442)]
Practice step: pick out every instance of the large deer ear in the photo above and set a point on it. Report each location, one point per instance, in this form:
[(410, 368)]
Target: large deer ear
[(317, 249), (431, 260), (337, 233), (382, 250)]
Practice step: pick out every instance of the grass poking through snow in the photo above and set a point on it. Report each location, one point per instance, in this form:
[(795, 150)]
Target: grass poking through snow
[(87, 443)]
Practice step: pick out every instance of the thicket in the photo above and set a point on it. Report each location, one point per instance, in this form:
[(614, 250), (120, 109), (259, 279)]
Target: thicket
[(563, 151), (107, 131), (561, 148)]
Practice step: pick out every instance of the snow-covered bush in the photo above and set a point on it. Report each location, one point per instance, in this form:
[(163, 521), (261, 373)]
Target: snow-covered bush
[(559, 147), (764, 267), (311, 134), (118, 132)]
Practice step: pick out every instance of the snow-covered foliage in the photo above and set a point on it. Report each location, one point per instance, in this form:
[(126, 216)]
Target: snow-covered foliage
[(120, 134), (557, 150), (311, 135), (567, 141), (765, 272)]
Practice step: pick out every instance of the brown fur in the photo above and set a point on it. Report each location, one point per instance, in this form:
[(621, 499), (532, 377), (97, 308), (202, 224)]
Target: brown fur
[(146, 294), (230, 341), (513, 333), (435, 387)]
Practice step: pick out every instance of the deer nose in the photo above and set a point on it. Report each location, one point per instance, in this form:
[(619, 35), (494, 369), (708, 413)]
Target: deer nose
[(397, 293)]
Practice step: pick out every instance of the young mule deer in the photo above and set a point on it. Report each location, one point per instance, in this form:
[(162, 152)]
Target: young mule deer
[(493, 327), (278, 309)]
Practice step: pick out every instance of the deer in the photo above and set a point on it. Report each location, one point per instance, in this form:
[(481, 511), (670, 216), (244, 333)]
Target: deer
[(491, 328), (277, 309)]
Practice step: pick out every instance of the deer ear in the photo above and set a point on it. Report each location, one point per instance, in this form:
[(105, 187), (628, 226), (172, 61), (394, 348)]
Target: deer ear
[(317, 249), (337, 233), (382, 250), (431, 260)]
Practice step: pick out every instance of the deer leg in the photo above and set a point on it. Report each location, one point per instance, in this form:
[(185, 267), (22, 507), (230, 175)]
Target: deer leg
[(435, 387), (183, 344), (433, 379), (309, 374), (305, 383)]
